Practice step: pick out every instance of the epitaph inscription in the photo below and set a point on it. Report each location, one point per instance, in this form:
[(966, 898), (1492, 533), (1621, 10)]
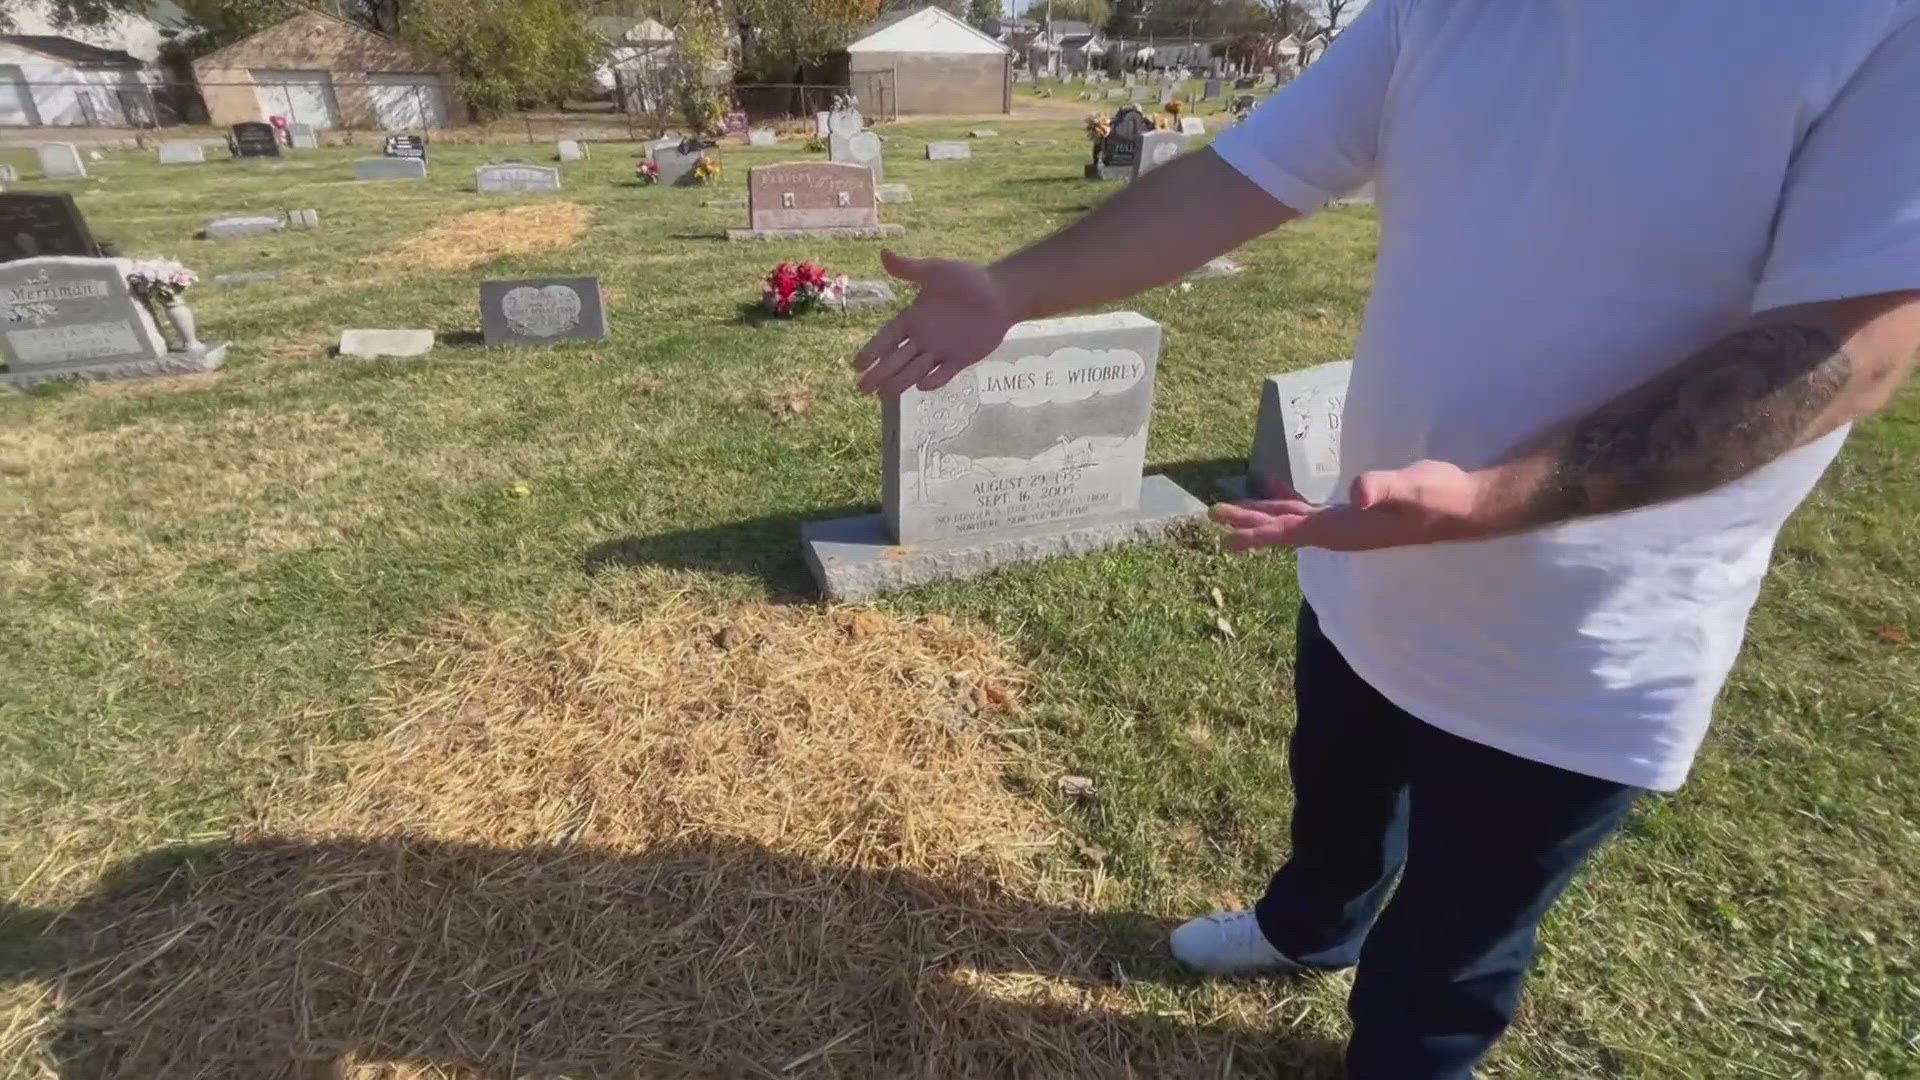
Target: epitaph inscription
[(1049, 429)]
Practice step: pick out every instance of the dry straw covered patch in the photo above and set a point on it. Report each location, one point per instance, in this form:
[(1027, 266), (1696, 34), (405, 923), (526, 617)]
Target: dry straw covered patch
[(651, 839), (482, 236)]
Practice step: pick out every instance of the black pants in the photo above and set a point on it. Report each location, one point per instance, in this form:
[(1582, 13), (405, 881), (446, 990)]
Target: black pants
[(1483, 843)]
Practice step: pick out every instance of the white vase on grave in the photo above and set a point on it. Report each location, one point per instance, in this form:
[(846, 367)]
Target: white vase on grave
[(182, 319)]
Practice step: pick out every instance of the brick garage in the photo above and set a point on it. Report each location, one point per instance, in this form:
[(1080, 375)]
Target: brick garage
[(939, 64), (316, 69)]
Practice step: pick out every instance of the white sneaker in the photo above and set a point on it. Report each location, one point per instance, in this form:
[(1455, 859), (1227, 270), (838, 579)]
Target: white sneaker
[(1228, 943)]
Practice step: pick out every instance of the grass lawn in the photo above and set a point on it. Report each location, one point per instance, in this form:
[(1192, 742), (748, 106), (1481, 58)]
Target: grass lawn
[(470, 716)]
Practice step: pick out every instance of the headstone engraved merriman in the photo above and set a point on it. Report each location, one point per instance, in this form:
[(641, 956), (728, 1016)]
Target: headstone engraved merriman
[(1296, 440), (1034, 452), (543, 311), (812, 200), (64, 317)]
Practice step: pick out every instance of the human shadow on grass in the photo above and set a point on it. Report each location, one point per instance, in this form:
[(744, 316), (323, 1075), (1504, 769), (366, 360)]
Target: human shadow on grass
[(405, 957)]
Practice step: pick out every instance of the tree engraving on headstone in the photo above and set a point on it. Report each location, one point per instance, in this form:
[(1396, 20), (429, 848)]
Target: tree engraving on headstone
[(40, 223), (510, 178), (542, 311), (63, 317), (61, 161), (252, 138), (1034, 452), (812, 199), (1296, 440)]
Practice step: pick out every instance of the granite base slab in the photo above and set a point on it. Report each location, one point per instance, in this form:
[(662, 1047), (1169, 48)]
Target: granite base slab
[(174, 363), (835, 232), (855, 558)]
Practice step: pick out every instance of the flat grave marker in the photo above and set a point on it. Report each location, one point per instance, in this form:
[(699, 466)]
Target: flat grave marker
[(513, 179), (1032, 453), (542, 311), (948, 151)]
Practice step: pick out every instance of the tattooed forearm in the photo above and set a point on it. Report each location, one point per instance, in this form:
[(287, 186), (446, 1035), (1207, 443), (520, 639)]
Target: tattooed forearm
[(1731, 408)]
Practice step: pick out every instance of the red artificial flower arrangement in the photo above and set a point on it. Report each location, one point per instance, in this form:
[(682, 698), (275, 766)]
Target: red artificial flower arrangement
[(648, 172), (794, 288)]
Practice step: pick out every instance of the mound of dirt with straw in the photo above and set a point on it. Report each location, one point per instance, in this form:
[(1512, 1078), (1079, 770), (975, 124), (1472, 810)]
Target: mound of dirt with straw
[(651, 840)]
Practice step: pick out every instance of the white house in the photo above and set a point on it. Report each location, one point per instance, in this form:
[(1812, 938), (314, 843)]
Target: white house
[(936, 62), (138, 34), (47, 80)]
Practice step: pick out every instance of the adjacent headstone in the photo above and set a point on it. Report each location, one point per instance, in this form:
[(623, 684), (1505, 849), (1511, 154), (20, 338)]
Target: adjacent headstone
[(303, 137), (404, 145), (676, 163), (1245, 82), (8, 174), (572, 150), (514, 179), (1116, 156), (235, 228), (763, 138), (60, 161), (892, 193), (252, 138), (812, 200), (948, 151), (1034, 452), (1296, 440), (386, 168), (1156, 149), (542, 311), (371, 344), (859, 148), (1210, 89), (39, 223), (304, 219), (182, 152), (983, 133), (1192, 125), (1167, 95), (1137, 93), (63, 317), (820, 124)]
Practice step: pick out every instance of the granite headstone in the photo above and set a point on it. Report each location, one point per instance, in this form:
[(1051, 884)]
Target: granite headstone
[(1296, 439), (542, 311), (571, 150), (511, 178), (404, 145), (251, 138), (60, 161), (390, 168), (812, 199), (1034, 452), (948, 151), (1156, 149), (763, 138), (182, 152), (303, 136), (41, 223), (64, 317), (860, 148)]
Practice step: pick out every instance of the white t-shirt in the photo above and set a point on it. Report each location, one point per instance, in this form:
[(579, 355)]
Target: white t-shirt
[(1576, 195)]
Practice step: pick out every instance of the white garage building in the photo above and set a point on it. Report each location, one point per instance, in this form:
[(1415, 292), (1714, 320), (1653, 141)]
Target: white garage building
[(51, 81)]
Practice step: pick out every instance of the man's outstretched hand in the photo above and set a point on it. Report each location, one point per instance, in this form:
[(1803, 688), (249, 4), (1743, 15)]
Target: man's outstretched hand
[(1428, 502), (960, 316)]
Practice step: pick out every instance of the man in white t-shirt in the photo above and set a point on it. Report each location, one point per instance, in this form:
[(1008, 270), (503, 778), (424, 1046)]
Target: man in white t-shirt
[(1632, 289)]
